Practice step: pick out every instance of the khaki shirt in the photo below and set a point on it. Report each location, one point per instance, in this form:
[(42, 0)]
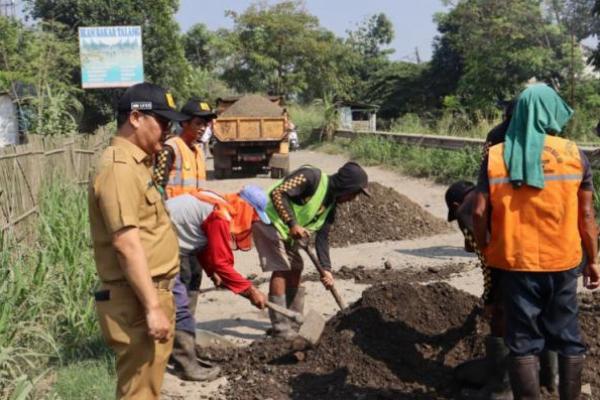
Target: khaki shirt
[(122, 194)]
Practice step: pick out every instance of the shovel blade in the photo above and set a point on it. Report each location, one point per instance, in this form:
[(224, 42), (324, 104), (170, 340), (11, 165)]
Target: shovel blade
[(313, 327)]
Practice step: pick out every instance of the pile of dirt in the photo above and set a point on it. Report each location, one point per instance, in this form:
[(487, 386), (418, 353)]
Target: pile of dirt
[(399, 341), (589, 319), (253, 105), (408, 273), (386, 215)]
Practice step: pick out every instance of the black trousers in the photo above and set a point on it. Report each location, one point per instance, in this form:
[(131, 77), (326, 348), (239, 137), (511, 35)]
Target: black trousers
[(541, 312), (190, 272)]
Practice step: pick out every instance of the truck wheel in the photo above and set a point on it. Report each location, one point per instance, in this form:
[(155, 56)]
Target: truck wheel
[(222, 173), (277, 173)]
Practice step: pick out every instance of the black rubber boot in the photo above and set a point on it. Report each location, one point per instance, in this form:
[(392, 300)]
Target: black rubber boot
[(473, 372), (549, 370), (524, 374), (497, 386), (184, 360), (569, 371)]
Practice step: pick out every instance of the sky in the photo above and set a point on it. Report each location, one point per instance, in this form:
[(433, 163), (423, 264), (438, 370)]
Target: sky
[(412, 19)]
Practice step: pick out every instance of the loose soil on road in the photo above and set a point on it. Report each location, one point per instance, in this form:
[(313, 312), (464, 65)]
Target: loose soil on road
[(399, 341), (386, 215)]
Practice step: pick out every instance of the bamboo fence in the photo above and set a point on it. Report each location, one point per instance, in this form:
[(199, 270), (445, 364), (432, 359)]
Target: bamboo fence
[(26, 169)]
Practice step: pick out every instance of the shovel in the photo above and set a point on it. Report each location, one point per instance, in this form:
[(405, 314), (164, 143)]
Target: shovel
[(311, 324), (338, 299)]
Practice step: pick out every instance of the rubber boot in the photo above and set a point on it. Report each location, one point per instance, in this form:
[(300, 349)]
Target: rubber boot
[(477, 372), (193, 296), (294, 298), (549, 370), (281, 324), (569, 370), (184, 360), (472, 372), (497, 386), (524, 374)]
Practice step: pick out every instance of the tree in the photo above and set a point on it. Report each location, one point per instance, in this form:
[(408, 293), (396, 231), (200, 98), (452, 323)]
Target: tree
[(368, 41), (281, 49), (373, 33), (32, 65), (206, 49), (499, 46), (400, 88), (595, 56), (164, 58), (576, 16)]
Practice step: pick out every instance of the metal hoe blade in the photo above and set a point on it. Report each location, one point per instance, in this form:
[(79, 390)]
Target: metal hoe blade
[(313, 327)]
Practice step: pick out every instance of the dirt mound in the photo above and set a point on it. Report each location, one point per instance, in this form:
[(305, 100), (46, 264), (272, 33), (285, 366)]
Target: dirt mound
[(589, 319), (386, 215), (253, 105), (399, 341)]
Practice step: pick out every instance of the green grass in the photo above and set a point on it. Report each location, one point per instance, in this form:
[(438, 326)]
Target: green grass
[(306, 118), (86, 380), (443, 166), (449, 124), (47, 316)]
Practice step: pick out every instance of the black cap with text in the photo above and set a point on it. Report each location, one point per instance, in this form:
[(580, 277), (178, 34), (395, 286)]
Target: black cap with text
[(148, 97)]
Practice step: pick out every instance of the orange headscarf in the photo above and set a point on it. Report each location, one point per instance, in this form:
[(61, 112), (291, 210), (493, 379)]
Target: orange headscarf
[(240, 214), (243, 216)]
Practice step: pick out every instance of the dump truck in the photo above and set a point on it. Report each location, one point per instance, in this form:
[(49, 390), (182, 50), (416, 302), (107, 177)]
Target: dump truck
[(250, 137)]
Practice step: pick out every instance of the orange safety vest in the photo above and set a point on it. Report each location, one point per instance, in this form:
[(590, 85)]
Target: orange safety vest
[(236, 211), (188, 171), (536, 230)]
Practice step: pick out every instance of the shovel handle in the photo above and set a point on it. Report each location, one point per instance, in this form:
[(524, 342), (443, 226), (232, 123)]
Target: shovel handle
[(317, 264), (296, 317)]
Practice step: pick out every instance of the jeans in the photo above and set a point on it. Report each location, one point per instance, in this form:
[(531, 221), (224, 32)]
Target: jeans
[(184, 320)]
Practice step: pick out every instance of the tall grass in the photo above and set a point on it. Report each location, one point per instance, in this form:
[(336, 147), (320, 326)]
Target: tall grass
[(443, 166), (306, 118), (448, 124), (47, 313)]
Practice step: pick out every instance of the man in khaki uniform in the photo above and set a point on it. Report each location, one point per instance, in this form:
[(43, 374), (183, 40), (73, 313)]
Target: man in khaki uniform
[(135, 245)]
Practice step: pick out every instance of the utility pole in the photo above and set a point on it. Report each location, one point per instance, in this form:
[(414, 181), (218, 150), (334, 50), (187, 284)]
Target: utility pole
[(417, 55), (8, 8)]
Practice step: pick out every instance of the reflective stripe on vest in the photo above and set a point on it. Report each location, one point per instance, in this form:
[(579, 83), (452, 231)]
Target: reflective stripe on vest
[(188, 171), (532, 229), (310, 216)]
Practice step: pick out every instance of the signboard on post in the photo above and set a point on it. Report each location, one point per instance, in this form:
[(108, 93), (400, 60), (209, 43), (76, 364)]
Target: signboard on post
[(111, 56)]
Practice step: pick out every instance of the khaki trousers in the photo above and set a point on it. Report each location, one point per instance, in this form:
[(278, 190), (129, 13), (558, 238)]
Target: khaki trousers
[(273, 253), (140, 360)]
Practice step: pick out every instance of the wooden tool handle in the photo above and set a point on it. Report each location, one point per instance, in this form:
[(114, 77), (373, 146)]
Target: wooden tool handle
[(285, 312), (315, 261)]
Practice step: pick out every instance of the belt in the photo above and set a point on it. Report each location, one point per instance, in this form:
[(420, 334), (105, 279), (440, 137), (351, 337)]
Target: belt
[(159, 283)]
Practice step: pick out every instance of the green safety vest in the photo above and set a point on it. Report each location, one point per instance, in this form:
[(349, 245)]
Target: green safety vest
[(310, 216)]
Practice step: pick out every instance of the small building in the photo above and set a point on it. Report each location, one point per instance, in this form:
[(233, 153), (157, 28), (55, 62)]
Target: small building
[(9, 120), (356, 116)]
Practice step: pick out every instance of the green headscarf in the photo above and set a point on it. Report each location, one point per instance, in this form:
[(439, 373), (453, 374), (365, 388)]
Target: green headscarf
[(539, 110)]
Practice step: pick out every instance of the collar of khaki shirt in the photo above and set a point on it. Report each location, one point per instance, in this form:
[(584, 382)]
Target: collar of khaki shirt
[(138, 154)]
